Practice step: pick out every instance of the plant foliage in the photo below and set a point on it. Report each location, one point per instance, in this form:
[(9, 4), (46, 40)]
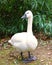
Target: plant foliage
[(12, 10)]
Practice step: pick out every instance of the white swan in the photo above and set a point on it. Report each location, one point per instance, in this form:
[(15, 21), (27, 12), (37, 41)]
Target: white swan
[(25, 41)]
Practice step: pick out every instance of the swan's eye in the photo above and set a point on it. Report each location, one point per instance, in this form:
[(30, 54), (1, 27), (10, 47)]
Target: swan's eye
[(27, 12)]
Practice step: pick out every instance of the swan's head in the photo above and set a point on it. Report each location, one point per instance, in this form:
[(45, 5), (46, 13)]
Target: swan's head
[(27, 14)]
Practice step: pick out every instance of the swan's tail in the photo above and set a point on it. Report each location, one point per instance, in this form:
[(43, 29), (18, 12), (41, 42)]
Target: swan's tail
[(9, 41)]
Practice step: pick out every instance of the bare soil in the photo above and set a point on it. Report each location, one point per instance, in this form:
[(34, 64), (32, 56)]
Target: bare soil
[(9, 56)]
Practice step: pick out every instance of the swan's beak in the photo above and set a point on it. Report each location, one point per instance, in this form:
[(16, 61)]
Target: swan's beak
[(24, 16)]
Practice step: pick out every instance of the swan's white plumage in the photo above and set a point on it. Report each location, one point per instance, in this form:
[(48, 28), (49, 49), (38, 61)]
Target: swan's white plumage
[(24, 41)]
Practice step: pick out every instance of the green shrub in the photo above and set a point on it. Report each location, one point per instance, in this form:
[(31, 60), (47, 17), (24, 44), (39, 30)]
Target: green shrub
[(12, 10)]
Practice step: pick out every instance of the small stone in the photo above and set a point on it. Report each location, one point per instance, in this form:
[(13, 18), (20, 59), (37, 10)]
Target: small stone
[(38, 47), (10, 58), (11, 55), (49, 62), (42, 60), (1, 45), (48, 48), (49, 53), (8, 46)]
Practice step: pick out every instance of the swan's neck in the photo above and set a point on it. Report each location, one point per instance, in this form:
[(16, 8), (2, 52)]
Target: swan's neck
[(29, 27)]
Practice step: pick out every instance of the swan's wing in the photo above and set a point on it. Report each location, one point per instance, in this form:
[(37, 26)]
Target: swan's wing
[(20, 46), (19, 41), (19, 37)]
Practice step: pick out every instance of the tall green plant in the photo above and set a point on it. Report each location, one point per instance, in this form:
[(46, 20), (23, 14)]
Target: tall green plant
[(12, 10)]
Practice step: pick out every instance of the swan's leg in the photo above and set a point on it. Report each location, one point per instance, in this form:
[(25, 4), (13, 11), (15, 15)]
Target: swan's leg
[(31, 58), (29, 54), (22, 55)]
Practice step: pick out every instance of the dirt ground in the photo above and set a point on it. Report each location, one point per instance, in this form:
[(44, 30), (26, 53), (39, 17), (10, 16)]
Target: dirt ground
[(9, 56)]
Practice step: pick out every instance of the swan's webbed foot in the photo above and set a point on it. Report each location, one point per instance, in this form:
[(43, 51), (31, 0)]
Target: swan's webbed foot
[(29, 59)]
